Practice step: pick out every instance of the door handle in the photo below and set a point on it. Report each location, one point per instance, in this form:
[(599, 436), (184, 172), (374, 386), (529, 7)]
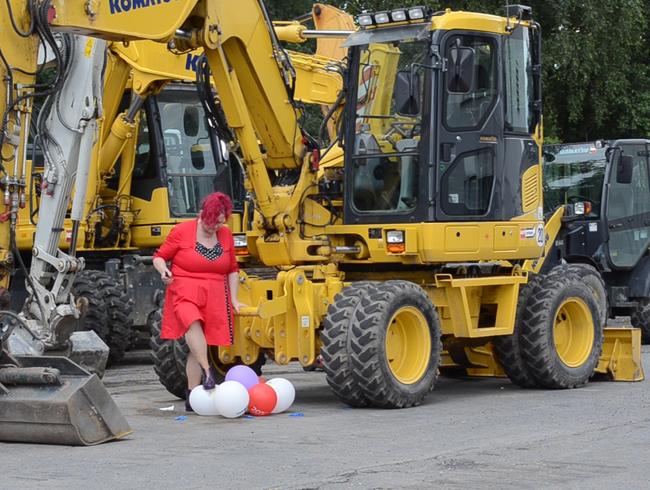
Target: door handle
[(445, 151)]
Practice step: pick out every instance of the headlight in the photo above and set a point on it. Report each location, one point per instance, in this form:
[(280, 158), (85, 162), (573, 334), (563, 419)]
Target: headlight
[(382, 18), (416, 13), (398, 15), (364, 20), (579, 208), (241, 245), (395, 241)]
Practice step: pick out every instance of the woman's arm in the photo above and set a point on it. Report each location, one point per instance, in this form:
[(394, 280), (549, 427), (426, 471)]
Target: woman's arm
[(233, 285), (166, 253), (161, 266), (233, 275)]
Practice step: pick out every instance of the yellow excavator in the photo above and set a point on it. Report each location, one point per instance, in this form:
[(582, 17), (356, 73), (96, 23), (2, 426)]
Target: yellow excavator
[(102, 219), (158, 155), (406, 257)]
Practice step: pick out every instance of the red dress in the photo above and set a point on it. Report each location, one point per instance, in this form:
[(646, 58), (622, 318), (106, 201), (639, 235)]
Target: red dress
[(199, 290)]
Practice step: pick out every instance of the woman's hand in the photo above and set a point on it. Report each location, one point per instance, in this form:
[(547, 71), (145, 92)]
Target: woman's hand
[(237, 305), (166, 276)]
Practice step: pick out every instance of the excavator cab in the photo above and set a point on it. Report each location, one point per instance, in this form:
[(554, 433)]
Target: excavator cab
[(437, 133), (176, 149)]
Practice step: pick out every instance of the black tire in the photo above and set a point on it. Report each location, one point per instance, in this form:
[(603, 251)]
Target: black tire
[(641, 319), (507, 348), (169, 368), (592, 278), (120, 322), (557, 297), (90, 284), (109, 312), (372, 367), (335, 344)]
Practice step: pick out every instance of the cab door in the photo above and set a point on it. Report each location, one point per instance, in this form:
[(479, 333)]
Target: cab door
[(470, 134), (628, 206)]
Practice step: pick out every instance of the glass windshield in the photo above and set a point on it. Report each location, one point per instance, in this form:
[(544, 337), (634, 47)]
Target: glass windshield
[(192, 172), (573, 173), (388, 123)]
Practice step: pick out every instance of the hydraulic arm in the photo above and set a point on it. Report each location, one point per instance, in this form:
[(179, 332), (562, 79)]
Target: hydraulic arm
[(76, 408)]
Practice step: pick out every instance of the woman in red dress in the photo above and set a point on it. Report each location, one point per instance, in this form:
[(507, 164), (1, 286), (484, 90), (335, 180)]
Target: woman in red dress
[(202, 285)]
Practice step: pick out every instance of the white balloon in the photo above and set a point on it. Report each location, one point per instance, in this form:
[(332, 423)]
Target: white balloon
[(285, 391), (202, 401), (231, 399)]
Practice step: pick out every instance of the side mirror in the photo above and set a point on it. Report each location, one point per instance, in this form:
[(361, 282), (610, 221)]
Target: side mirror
[(460, 69), (191, 121), (406, 93), (624, 169), (548, 157)]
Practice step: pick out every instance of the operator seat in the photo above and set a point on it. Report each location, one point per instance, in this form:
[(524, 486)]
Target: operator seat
[(408, 174), (367, 181)]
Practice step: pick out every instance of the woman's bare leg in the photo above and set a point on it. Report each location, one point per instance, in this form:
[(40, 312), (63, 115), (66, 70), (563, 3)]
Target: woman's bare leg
[(194, 371), (198, 358)]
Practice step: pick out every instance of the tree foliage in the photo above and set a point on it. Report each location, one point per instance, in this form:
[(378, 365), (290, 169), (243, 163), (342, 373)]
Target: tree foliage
[(595, 60)]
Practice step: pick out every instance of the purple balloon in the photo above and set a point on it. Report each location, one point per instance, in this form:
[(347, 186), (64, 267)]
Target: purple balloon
[(242, 374)]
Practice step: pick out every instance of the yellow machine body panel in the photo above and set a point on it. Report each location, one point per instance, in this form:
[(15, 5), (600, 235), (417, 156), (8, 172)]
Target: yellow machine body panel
[(472, 21), (23, 58), (123, 20)]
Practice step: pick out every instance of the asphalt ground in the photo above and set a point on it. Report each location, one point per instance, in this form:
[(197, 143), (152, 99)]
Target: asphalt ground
[(469, 433)]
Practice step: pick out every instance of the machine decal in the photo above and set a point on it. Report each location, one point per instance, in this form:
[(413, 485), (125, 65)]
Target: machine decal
[(121, 6)]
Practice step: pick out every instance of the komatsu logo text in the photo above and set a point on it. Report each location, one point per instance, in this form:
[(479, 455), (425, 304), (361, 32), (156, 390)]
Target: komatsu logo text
[(191, 62), (119, 6)]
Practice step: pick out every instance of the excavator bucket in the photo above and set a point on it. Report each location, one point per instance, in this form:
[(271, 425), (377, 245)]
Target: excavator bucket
[(621, 356), (52, 400)]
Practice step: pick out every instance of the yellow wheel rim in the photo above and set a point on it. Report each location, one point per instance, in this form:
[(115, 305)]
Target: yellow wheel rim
[(573, 332), (408, 345)]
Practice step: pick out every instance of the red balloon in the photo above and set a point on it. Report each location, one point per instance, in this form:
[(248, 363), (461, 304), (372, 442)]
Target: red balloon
[(262, 380), (262, 399)]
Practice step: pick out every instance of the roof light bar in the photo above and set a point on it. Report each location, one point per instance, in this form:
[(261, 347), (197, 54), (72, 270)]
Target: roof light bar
[(367, 19)]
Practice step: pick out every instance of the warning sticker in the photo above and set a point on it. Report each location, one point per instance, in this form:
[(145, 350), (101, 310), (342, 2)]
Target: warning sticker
[(527, 233)]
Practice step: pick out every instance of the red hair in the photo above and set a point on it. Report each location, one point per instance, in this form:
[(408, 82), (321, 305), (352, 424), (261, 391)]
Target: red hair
[(215, 205)]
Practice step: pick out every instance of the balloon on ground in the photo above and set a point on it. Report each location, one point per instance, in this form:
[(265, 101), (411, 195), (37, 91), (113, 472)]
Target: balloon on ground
[(285, 392), (202, 401), (244, 375), (262, 400), (230, 399)]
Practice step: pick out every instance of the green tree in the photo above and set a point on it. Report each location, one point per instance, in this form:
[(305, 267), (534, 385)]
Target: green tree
[(595, 60)]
